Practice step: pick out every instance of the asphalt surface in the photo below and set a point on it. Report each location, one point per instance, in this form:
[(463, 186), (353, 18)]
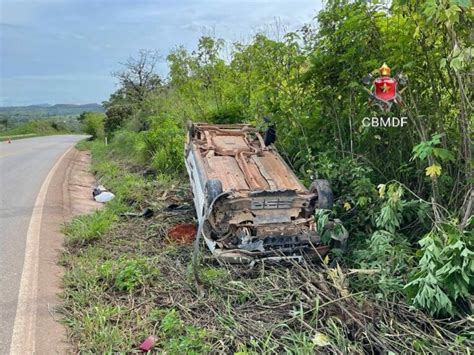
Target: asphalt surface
[(24, 165)]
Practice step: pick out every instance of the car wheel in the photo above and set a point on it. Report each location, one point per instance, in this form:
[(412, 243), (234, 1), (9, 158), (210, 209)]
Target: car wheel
[(191, 128), (213, 189), (323, 191)]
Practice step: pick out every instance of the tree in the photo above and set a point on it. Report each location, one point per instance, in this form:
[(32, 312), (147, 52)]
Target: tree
[(118, 110), (138, 79), (93, 124)]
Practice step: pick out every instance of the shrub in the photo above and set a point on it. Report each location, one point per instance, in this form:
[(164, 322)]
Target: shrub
[(93, 124), (228, 114), (445, 273), (390, 254), (116, 117), (163, 145), (388, 248), (125, 143)]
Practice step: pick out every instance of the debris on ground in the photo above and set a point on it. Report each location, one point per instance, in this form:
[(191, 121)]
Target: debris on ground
[(147, 344), (150, 173), (101, 194), (104, 197), (178, 207), (98, 190), (265, 309), (183, 233), (146, 213)]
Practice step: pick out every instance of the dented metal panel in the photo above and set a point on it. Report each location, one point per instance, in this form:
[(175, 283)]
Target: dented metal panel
[(261, 209), (277, 169), (226, 169)]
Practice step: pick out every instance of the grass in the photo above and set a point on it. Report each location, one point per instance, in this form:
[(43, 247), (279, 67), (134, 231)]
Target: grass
[(125, 281), (88, 228)]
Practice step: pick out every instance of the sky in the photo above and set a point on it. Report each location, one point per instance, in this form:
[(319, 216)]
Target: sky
[(64, 51)]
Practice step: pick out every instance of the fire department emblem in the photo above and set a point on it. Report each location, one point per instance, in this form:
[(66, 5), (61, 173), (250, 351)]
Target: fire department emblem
[(384, 90)]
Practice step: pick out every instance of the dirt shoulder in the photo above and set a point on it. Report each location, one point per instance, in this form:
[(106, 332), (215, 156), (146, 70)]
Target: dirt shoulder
[(68, 195)]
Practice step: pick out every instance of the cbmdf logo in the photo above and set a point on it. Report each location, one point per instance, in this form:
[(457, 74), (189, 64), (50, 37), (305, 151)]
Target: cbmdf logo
[(384, 90)]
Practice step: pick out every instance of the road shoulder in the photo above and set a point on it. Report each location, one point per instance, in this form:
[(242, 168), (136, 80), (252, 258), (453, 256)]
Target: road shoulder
[(68, 195)]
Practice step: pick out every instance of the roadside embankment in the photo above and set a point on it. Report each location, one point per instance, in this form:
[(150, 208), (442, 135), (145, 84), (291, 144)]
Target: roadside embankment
[(126, 281)]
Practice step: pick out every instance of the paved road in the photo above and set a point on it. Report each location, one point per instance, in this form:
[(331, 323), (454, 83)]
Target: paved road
[(24, 165)]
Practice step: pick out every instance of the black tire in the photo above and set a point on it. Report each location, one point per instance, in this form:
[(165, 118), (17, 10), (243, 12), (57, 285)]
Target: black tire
[(191, 128), (323, 191), (213, 189), (270, 136)]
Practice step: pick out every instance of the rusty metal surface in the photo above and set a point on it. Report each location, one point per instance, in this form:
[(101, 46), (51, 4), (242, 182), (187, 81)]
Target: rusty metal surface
[(264, 211), (237, 157)]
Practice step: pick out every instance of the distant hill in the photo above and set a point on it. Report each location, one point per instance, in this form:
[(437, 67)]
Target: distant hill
[(25, 113)]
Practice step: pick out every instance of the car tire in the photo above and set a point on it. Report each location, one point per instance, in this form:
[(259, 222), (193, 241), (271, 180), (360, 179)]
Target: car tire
[(323, 191), (213, 189), (191, 128)]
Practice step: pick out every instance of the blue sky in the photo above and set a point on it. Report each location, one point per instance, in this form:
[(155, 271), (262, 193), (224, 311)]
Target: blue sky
[(63, 51)]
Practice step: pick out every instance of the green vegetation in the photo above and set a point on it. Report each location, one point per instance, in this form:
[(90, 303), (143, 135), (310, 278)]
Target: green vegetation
[(126, 281), (404, 194), (93, 124), (43, 120), (37, 128), (14, 114)]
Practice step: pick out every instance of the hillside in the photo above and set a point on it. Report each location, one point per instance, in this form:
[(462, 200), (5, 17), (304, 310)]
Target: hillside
[(26, 113)]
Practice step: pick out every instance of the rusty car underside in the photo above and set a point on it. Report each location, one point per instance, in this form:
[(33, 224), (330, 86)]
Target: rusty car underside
[(250, 203)]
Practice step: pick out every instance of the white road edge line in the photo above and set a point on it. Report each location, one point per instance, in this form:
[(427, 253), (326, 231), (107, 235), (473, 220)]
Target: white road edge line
[(23, 337)]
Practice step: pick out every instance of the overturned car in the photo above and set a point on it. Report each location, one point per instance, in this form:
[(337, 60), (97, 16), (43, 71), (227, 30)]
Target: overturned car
[(249, 203)]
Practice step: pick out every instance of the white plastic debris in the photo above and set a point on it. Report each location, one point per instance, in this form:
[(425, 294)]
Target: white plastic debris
[(98, 190), (105, 196)]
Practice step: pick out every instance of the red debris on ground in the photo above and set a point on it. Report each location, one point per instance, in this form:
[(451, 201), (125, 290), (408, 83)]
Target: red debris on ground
[(183, 233), (147, 343)]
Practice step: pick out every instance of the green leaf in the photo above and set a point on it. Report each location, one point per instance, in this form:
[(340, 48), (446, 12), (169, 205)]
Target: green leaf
[(430, 8), (456, 63), (443, 154), (452, 13)]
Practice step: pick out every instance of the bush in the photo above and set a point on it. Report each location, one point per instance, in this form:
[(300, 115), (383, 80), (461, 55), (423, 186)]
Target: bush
[(163, 145), (390, 254), (116, 117), (445, 273), (227, 115), (125, 146), (93, 124)]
